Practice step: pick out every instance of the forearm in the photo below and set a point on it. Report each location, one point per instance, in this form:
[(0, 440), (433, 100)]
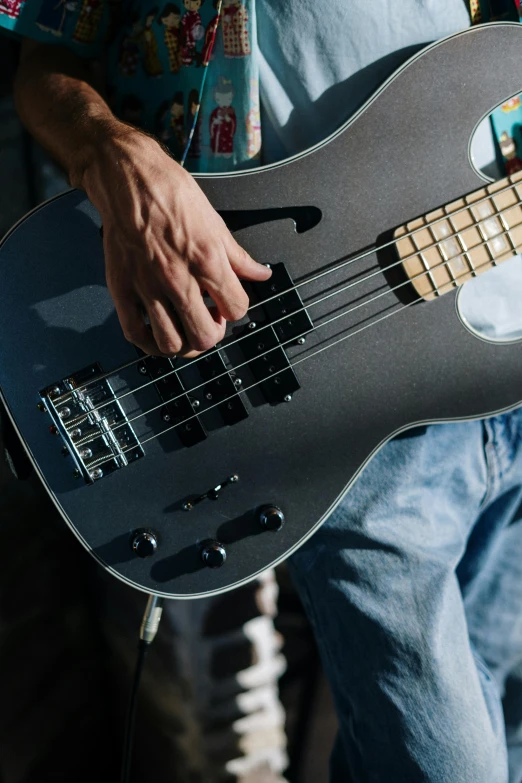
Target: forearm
[(62, 109), (164, 243)]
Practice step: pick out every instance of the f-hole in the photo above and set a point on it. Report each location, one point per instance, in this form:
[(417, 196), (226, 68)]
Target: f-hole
[(305, 218)]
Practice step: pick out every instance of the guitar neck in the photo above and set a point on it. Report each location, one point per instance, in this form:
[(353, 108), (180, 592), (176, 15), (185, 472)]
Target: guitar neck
[(459, 241)]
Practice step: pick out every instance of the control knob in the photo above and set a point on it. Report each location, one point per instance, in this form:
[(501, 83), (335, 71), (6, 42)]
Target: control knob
[(214, 554), (271, 517), (144, 543)]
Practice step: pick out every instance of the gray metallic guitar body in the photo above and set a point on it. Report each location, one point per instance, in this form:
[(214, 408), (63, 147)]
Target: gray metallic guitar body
[(404, 154)]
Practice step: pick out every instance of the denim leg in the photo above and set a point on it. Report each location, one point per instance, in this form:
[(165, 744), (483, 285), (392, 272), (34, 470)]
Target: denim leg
[(379, 583), (513, 716), (494, 611), (491, 579)]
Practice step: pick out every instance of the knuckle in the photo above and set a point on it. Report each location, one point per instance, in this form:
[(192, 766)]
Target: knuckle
[(206, 265), (178, 293), (242, 254), (220, 332), (169, 344), (132, 334), (169, 347), (203, 342), (170, 274), (238, 308), (242, 257)]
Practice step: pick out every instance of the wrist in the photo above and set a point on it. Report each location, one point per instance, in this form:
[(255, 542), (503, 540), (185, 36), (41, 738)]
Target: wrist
[(110, 142)]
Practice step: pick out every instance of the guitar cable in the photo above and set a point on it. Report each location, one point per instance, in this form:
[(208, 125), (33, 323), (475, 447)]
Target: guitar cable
[(205, 63), (148, 629)]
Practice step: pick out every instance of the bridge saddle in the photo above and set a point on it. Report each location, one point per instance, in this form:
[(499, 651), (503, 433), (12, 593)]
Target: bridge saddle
[(92, 423)]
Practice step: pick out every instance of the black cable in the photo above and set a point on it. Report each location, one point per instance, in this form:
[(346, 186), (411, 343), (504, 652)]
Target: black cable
[(143, 646), (148, 629)]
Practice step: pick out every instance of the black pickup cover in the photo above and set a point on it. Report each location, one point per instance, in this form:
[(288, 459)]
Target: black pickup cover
[(219, 394), (232, 409), (169, 386), (290, 321), (298, 322), (283, 321)]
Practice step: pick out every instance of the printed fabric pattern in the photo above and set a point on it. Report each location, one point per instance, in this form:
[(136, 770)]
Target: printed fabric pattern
[(507, 119), (155, 56)]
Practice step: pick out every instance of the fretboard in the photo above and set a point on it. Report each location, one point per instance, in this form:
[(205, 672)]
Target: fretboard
[(455, 243)]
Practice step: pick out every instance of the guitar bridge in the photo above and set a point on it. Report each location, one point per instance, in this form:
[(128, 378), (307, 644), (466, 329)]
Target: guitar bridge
[(92, 423)]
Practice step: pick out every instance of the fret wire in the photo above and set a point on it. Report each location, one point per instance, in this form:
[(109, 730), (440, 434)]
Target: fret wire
[(409, 235), (513, 185), (292, 364), (427, 268), (460, 240), (101, 460), (400, 261), (480, 227), (304, 308), (444, 255), (498, 214), (459, 210), (514, 189), (507, 229), (483, 243)]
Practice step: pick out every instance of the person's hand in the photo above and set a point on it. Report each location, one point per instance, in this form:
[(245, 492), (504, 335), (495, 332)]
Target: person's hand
[(165, 246)]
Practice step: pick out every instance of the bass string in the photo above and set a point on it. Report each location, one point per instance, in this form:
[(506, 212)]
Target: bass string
[(88, 439), (259, 356), (79, 419), (103, 460), (448, 216), (496, 213)]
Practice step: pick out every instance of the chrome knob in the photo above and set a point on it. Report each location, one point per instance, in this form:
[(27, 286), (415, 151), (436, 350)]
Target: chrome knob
[(271, 517), (144, 543), (214, 554)]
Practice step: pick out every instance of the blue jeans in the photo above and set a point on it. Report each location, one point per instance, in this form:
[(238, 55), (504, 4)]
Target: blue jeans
[(414, 588)]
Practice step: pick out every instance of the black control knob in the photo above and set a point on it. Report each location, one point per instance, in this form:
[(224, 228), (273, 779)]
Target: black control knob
[(214, 554), (271, 518), (144, 543)]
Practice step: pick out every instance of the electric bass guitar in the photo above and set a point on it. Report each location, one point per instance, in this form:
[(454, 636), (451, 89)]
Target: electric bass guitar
[(189, 477)]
